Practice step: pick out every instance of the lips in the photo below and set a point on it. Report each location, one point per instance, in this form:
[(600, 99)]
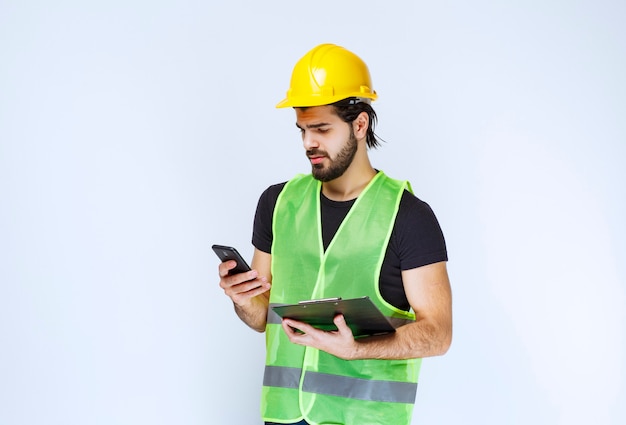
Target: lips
[(316, 156)]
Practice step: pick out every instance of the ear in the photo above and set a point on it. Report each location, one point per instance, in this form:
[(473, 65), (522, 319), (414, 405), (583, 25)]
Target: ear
[(360, 125)]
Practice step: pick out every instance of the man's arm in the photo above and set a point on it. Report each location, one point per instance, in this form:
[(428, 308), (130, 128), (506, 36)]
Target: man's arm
[(249, 291), (428, 291)]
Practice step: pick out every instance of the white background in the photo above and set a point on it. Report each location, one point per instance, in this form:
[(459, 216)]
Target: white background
[(134, 134)]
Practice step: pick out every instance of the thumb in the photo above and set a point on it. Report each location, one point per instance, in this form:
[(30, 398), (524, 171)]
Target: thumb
[(340, 321)]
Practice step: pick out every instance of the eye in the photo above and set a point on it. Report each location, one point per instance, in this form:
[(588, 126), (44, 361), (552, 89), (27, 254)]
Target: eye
[(323, 130)]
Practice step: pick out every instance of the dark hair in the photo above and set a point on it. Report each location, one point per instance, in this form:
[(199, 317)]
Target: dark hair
[(349, 109)]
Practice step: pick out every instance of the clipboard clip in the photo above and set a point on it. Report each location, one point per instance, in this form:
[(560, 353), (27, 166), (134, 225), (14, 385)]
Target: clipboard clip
[(321, 300)]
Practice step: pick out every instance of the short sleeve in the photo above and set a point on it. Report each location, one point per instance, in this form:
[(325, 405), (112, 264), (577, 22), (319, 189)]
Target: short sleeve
[(262, 235), (418, 238)]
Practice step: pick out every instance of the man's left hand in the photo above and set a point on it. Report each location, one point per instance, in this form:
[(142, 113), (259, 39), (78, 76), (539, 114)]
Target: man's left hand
[(339, 343)]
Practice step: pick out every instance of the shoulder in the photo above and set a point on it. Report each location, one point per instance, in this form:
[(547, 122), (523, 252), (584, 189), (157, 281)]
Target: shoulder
[(275, 189), (270, 195), (298, 184), (413, 207), (417, 237), (262, 231)]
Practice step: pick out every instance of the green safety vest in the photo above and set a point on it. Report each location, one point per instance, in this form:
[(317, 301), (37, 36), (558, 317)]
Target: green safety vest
[(306, 383)]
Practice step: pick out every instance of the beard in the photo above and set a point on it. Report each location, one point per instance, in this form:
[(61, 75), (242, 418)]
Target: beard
[(338, 165)]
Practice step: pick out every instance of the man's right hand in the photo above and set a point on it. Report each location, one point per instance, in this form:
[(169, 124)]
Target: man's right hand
[(241, 287), (249, 291)]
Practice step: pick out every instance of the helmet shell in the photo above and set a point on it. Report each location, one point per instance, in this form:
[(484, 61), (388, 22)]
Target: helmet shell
[(328, 74)]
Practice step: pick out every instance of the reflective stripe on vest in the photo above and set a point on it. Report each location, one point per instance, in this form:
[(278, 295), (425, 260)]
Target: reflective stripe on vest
[(282, 377), (342, 386)]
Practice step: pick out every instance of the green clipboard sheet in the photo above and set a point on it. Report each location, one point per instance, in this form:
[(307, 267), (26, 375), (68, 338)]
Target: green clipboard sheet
[(361, 315)]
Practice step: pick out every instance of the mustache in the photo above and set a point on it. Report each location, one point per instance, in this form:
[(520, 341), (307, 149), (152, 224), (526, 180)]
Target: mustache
[(316, 152)]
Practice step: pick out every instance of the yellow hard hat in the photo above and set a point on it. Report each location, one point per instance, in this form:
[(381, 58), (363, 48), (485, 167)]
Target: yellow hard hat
[(328, 74)]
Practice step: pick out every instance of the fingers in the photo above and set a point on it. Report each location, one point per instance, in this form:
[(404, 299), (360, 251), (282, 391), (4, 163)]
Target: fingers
[(304, 328), (340, 343), (225, 267), (227, 280), (295, 328), (340, 321), (241, 287)]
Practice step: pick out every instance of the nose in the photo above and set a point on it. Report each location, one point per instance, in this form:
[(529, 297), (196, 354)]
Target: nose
[(309, 140)]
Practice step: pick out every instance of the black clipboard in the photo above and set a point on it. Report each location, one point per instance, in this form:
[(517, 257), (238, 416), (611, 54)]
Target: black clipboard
[(361, 315)]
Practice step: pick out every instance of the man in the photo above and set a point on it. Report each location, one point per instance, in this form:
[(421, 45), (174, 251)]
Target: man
[(346, 230)]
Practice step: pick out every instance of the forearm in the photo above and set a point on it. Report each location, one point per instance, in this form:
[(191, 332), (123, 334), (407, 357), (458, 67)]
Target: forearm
[(415, 340), (254, 314), (428, 291)]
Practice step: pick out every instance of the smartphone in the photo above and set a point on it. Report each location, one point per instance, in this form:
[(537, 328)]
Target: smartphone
[(226, 253)]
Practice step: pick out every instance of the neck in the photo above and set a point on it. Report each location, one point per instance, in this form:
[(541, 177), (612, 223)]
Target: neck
[(351, 183)]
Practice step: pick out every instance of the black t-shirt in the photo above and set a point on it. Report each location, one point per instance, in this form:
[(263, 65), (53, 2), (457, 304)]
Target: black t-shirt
[(416, 238)]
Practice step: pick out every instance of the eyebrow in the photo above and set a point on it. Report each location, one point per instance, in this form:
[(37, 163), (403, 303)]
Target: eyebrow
[(309, 126)]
